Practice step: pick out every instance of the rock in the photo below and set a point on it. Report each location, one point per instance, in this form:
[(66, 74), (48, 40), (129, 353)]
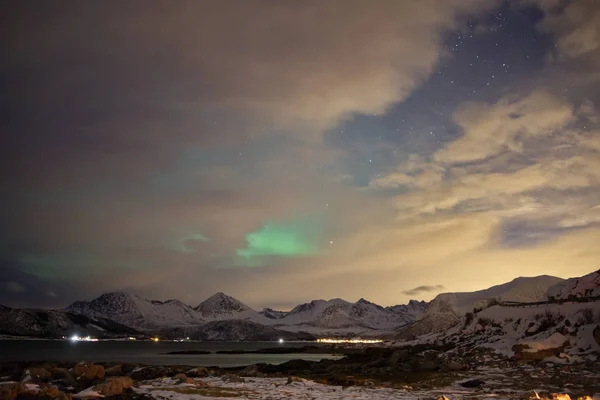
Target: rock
[(114, 386), (456, 366), (10, 390), (539, 349), (250, 370), (89, 371), (148, 373), (199, 372), (424, 365), (230, 378), (596, 334), (50, 392), (38, 373), (115, 370), (60, 373), (473, 383), (292, 379), (182, 378)]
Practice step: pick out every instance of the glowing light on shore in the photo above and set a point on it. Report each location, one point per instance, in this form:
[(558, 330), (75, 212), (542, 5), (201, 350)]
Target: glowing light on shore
[(155, 339), (280, 340), (353, 341), (76, 338)]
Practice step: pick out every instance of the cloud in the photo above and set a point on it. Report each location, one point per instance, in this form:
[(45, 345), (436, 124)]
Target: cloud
[(490, 129), (422, 289)]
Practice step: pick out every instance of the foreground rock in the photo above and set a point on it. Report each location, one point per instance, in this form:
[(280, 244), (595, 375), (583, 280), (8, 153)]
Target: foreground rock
[(89, 371), (114, 386)]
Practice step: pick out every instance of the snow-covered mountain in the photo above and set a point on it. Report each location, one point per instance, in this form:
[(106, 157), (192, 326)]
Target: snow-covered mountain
[(133, 311), (340, 317), (448, 309), (585, 286), (219, 307), (55, 324), (558, 332)]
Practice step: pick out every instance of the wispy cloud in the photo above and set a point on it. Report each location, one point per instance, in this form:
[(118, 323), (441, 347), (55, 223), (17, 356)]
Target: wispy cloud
[(423, 289)]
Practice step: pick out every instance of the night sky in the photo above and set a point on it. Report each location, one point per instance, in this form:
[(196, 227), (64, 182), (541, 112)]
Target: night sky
[(283, 151)]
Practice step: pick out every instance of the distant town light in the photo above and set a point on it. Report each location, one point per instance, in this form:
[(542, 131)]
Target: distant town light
[(365, 341), (76, 338), (155, 339), (280, 340)]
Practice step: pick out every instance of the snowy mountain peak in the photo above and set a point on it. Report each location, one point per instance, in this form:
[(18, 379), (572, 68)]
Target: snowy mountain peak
[(220, 302), (220, 306)]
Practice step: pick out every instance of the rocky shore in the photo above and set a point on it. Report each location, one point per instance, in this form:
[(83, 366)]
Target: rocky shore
[(412, 370)]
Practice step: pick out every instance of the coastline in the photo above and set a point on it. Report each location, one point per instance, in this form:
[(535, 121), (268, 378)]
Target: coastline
[(374, 373)]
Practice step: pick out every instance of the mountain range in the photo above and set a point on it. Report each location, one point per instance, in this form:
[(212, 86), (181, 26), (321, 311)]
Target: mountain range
[(318, 317), (222, 317)]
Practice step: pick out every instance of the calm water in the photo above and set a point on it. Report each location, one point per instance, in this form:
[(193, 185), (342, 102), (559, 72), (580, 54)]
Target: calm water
[(146, 352)]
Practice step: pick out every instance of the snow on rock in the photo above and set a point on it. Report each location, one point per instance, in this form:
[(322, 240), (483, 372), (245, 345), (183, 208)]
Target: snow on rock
[(554, 341), (585, 286)]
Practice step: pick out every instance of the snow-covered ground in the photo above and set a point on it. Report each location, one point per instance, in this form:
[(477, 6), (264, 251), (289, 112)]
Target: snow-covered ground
[(281, 388)]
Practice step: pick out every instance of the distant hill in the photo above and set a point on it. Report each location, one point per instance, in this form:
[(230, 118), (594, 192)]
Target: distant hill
[(55, 324)]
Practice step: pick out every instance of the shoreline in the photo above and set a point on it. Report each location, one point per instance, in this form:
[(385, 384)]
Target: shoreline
[(422, 369)]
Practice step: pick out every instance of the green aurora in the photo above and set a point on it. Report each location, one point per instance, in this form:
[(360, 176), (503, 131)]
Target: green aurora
[(292, 239)]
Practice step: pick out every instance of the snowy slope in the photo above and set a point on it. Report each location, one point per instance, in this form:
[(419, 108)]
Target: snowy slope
[(585, 286), (500, 329), (219, 307), (133, 311), (447, 309)]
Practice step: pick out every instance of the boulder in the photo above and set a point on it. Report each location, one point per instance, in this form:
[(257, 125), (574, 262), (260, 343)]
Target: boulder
[(473, 383), (425, 365), (10, 390), (199, 372), (60, 373), (230, 378), (292, 379), (89, 371), (115, 370), (50, 392), (250, 370), (456, 366), (114, 386), (596, 334), (148, 373), (182, 378), (38, 373), (537, 350)]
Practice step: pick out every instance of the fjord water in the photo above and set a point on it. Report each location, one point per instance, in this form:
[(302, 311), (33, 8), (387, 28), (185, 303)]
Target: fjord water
[(147, 352)]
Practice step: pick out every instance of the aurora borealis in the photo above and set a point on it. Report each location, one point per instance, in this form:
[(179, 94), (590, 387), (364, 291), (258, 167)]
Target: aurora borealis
[(298, 238), (286, 151)]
